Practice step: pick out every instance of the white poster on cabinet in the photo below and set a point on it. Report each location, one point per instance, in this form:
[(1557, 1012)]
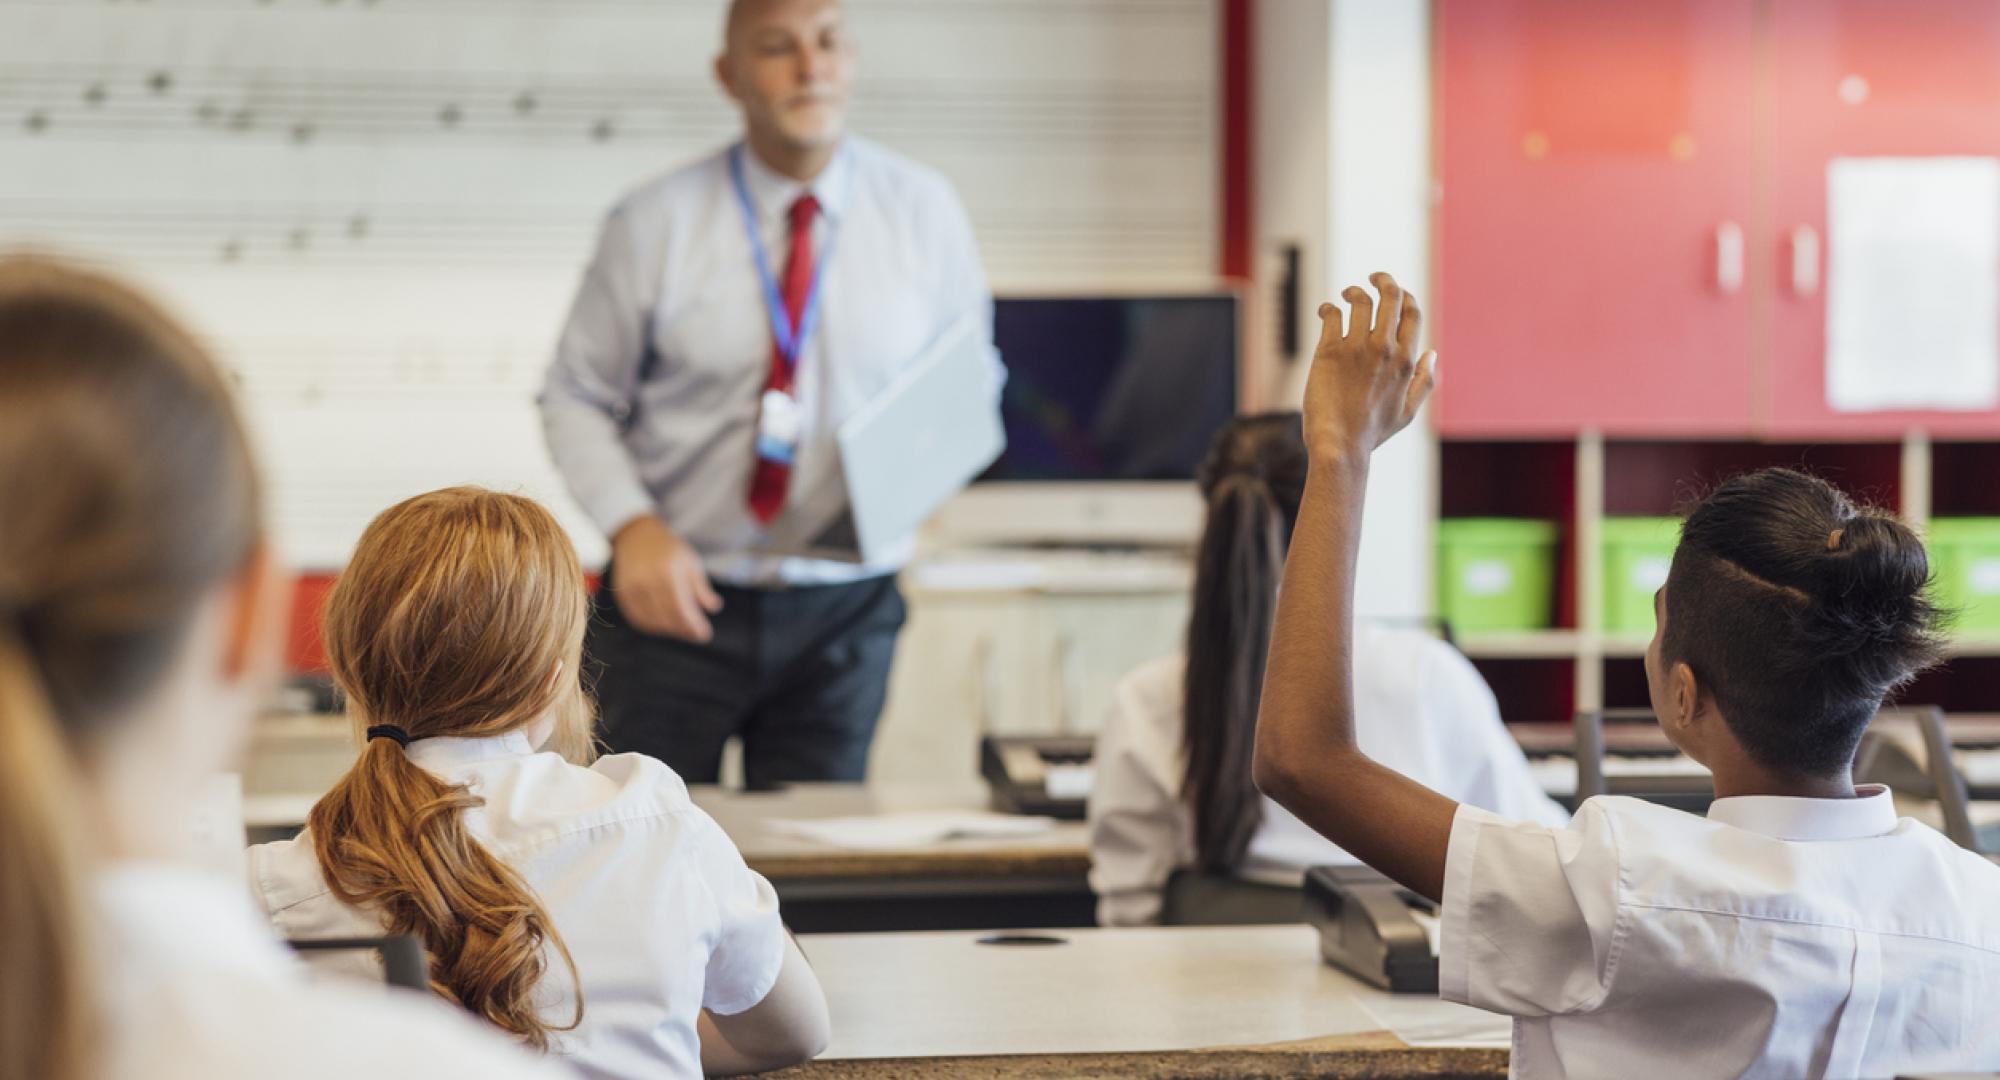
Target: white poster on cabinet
[(1913, 284)]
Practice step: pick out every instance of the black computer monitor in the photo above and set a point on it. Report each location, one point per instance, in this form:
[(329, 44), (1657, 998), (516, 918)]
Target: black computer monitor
[(1121, 388)]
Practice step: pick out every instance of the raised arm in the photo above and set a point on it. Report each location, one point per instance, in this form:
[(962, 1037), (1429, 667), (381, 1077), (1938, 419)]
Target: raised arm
[(1367, 383)]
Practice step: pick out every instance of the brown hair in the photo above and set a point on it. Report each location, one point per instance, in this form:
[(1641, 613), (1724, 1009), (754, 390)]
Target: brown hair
[(1253, 479), (455, 610), (128, 496)]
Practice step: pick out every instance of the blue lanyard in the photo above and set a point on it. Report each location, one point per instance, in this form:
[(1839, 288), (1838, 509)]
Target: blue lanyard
[(789, 343)]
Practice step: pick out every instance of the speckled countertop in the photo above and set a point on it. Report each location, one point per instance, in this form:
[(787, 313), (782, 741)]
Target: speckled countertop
[(1375, 1055)]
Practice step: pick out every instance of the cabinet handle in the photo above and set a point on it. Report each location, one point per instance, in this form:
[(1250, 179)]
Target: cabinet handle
[(1805, 261), (1728, 257), (988, 678), (1066, 681)]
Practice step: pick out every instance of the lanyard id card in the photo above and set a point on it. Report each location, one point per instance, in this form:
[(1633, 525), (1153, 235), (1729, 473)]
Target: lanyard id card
[(778, 414), (778, 427)]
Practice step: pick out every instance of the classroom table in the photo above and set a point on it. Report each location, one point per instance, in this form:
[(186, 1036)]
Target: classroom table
[(1035, 880), (1180, 1001)]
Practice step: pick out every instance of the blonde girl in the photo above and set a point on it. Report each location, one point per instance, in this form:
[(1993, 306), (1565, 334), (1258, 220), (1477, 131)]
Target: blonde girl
[(588, 908)]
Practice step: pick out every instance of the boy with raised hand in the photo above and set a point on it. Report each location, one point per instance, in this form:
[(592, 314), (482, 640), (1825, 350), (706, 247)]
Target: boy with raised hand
[(1799, 929)]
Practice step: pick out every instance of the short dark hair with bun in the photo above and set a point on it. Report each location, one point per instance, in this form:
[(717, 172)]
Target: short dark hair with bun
[(1801, 613)]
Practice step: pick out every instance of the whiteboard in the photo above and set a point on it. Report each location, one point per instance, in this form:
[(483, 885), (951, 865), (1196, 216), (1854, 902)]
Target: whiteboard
[(377, 210)]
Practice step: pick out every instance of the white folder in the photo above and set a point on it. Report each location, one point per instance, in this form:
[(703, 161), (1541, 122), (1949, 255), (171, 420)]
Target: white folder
[(903, 455)]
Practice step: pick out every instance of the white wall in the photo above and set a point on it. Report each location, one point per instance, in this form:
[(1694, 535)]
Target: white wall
[(1344, 167), (378, 209)]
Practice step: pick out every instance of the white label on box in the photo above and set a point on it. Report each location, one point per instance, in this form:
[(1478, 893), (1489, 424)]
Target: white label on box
[(1650, 574), (1489, 578), (1985, 577)]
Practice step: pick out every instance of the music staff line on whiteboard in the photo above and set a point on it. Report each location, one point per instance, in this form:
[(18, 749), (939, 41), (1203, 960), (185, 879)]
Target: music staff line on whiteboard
[(53, 101), (676, 11), (496, 238)]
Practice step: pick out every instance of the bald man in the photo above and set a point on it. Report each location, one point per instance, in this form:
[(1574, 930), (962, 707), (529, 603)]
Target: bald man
[(736, 311)]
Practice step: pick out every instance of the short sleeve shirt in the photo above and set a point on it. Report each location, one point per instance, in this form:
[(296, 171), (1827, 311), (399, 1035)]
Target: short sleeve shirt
[(653, 901), (1776, 937)]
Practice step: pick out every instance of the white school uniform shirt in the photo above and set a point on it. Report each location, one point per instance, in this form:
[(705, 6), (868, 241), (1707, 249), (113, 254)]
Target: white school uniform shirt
[(654, 902), (1419, 707), (1776, 937), (651, 403), (195, 987)]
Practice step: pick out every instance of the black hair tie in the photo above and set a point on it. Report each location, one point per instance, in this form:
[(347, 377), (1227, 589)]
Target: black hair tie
[(389, 731)]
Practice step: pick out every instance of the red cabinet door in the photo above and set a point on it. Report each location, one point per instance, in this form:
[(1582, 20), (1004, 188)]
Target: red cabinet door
[(1854, 78), (1596, 165)]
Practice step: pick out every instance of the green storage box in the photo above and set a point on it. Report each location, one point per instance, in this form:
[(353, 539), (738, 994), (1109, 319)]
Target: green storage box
[(1637, 553), (1965, 556), (1496, 573)]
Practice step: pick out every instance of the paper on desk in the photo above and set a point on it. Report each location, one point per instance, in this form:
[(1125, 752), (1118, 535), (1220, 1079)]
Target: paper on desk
[(1422, 1020), (1913, 283), (895, 832), (993, 574)]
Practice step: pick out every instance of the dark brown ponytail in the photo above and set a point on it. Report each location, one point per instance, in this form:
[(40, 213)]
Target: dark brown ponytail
[(1252, 480)]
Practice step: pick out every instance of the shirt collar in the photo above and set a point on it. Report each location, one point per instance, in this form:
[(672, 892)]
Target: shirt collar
[(444, 752), (773, 193), (1872, 812)]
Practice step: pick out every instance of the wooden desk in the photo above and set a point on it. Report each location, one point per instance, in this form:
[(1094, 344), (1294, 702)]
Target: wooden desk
[(1038, 880), (1207, 1001)]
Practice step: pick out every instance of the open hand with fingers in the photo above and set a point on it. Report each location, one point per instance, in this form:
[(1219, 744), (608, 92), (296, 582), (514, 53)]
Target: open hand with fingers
[(1367, 379)]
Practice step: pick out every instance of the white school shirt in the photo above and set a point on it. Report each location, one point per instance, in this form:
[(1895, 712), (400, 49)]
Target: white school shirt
[(654, 902), (651, 404), (1419, 707), (195, 987), (1776, 937)]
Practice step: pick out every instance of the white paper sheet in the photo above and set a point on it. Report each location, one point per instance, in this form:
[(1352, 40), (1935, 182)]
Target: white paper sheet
[(1422, 1020), (1913, 284), (898, 832)]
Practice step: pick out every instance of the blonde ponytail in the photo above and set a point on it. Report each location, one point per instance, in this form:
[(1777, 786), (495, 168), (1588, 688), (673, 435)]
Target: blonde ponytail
[(45, 990), (449, 620), (392, 838)]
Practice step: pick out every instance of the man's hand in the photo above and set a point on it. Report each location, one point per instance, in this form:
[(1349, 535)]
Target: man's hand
[(661, 585), (1366, 382)]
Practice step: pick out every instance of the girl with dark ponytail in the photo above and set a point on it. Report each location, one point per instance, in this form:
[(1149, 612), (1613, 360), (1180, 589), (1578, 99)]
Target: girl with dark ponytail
[(140, 610), (1173, 789)]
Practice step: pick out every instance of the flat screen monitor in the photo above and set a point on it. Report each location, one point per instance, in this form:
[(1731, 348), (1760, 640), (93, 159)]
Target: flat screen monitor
[(1127, 388)]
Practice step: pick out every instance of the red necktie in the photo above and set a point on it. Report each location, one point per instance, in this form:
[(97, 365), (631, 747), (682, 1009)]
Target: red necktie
[(772, 479)]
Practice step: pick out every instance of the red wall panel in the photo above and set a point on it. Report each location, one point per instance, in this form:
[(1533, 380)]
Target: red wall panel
[(1590, 155)]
